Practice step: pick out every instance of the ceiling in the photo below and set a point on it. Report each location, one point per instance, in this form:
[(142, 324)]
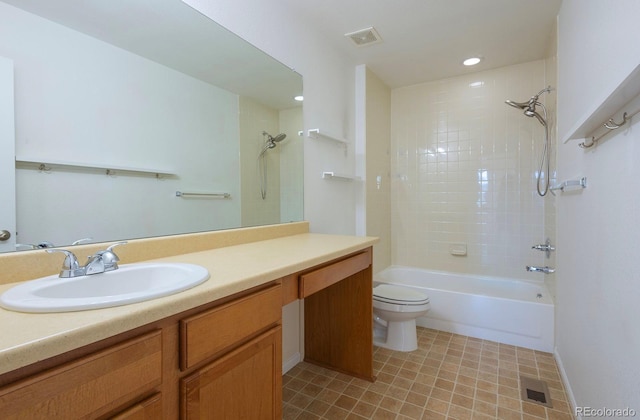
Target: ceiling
[(422, 40), (425, 40)]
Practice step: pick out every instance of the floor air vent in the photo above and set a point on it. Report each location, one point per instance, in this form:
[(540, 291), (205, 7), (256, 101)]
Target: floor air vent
[(535, 391)]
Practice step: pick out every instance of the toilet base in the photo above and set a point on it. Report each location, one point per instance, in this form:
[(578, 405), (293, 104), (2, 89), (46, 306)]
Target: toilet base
[(400, 336)]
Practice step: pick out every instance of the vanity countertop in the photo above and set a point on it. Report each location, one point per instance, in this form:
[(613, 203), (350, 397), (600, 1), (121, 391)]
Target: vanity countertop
[(28, 338)]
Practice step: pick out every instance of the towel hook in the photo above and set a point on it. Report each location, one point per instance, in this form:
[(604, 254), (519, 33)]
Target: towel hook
[(611, 125)]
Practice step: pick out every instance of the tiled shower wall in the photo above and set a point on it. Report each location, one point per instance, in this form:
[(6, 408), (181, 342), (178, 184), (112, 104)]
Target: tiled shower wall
[(254, 119), (463, 174)]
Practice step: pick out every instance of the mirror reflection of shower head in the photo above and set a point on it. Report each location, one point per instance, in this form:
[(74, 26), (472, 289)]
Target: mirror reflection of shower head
[(270, 141), (276, 139)]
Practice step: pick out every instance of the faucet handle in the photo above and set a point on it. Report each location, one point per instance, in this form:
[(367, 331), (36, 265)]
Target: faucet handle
[(109, 257), (546, 247), (117, 244), (70, 266)]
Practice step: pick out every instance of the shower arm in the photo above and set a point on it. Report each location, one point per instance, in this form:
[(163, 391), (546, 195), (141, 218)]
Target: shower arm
[(548, 89)]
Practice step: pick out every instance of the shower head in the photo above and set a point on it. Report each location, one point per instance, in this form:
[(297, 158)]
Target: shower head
[(276, 139), (270, 141), (529, 107), (519, 105), (533, 113)]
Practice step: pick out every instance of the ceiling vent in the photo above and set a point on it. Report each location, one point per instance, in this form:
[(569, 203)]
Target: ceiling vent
[(367, 36)]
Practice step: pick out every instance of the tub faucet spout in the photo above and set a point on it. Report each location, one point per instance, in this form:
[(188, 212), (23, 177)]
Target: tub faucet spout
[(545, 269)]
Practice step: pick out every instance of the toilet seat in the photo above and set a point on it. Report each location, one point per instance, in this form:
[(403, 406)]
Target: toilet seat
[(396, 295)]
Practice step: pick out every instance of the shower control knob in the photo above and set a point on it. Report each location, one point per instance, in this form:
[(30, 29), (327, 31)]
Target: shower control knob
[(546, 247)]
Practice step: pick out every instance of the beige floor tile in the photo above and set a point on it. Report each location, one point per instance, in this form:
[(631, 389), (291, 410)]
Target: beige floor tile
[(449, 377)]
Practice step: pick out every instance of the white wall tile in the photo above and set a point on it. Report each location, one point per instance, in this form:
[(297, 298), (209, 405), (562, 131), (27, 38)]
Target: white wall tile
[(464, 171)]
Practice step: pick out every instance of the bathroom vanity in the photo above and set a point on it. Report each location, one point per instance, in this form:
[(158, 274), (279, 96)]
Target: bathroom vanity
[(214, 351)]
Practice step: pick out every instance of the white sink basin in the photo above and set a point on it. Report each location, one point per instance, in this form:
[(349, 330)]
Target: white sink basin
[(130, 283)]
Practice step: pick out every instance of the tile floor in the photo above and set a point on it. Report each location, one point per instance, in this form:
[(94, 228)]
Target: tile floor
[(449, 377)]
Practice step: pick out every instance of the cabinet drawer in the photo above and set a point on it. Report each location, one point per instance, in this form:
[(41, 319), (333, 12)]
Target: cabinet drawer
[(89, 387), (206, 334), (149, 409), (321, 278)]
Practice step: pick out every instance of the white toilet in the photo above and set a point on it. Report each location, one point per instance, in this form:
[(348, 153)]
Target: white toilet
[(395, 309)]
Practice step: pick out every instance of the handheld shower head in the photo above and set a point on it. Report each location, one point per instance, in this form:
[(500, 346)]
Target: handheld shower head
[(533, 113), (278, 138), (529, 109), (270, 141)]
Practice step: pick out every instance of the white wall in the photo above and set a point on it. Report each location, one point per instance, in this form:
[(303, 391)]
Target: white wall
[(463, 171), (7, 145), (328, 105), (291, 165), (598, 278), (377, 127), (148, 116), (596, 52)]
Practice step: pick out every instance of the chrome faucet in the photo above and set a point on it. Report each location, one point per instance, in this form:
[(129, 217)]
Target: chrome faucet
[(100, 262), (545, 269)]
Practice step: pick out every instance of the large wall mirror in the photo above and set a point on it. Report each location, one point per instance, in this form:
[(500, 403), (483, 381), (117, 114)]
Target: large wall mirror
[(141, 118)]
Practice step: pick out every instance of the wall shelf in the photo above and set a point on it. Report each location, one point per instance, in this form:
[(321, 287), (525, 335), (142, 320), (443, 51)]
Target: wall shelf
[(598, 114), (315, 133), (339, 177), (46, 165)]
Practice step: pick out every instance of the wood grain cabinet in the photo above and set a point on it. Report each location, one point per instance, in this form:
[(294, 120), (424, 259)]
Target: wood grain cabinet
[(338, 311), (244, 382), (222, 360), (219, 361), (88, 387)]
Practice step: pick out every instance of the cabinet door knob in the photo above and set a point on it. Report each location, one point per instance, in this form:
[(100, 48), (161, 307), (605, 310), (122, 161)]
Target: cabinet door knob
[(4, 235)]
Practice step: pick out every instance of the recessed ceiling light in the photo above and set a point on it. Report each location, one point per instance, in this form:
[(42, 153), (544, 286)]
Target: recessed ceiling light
[(472, 61), (299, 98)]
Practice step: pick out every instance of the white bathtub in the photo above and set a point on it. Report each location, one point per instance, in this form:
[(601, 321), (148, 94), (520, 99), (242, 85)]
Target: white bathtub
[(508, 311)]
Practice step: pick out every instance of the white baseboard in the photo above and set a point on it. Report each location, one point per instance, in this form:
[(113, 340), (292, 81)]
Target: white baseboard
[(291, 362), (567, 385)]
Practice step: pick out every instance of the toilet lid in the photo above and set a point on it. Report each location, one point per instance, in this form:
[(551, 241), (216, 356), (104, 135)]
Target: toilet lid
[(398, 295)]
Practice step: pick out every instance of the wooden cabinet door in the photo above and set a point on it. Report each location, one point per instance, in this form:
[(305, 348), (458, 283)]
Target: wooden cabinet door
[(244, 384), (149, 409), (88, 387)]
